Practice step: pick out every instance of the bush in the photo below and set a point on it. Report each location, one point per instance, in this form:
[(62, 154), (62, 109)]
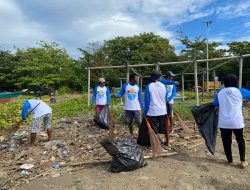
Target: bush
[(64, 90)]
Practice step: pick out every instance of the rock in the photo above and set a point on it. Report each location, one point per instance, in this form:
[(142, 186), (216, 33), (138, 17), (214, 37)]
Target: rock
[(76, 122), (56, 166), (89, 148), (52, 158), (62, 163), (26, 166)]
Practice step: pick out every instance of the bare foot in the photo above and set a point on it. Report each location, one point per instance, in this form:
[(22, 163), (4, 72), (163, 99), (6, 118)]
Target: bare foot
[(243, 164)]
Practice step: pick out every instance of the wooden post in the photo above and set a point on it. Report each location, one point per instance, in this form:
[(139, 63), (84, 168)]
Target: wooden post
[(157, 67), (214, 82), (183, 87), (127, 72), (196, 83), (88, 87), (240, 72), (203, 79)]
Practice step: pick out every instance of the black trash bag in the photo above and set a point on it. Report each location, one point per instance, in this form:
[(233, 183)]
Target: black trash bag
[(102, 119), (206, 117), (143, 135), (126, 154)]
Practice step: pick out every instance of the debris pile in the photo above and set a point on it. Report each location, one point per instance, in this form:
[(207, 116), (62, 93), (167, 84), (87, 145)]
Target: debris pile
[(76, 142)]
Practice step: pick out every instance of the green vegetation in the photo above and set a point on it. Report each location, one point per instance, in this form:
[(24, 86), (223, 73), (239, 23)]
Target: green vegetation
[(48, 66)]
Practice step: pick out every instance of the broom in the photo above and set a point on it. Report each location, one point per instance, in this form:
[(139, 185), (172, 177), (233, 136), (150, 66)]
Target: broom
[(12, 129), (154, 140), (111, 124), (182, 124)]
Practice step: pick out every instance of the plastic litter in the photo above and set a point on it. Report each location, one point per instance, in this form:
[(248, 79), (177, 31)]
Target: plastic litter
[(56, 166), (103, 118), (25, 173), (206, 117), (126, 155)]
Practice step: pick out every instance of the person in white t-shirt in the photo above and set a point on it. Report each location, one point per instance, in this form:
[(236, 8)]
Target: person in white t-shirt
[(101, 96), (155, 99), (133, 102), (229, 99), (41, 115)]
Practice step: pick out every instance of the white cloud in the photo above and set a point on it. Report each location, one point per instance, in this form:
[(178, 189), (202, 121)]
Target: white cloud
[(16, 29), (247, 24), (232, 9), (75, 23)]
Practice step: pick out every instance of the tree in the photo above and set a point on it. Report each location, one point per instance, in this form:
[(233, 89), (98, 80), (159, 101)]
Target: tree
[(45, 67), (7, 65)]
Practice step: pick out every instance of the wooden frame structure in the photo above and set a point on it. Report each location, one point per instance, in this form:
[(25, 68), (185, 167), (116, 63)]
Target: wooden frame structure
[(157, 67)]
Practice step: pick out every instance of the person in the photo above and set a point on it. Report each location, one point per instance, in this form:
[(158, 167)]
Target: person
[(155, 105), (42, 113), (133, 102), (101, 96), (229, 99), (170, 84)]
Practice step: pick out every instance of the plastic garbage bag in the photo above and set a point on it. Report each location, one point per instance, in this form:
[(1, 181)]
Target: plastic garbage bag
[(126, 154), (206, 117), (143, 135), (102, 119)]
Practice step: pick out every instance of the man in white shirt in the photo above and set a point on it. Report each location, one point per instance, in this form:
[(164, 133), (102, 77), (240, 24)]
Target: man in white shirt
[(229, 99), (101, 96), (155, 105), (133, 102), (41, 115)]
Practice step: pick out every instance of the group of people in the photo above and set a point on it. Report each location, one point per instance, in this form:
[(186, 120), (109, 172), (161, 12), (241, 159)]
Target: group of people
[(157, 105)]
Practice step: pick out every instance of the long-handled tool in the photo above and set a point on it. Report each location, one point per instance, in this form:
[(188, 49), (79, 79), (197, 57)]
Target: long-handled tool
[(111, 113), (12, 129), (154, 140)]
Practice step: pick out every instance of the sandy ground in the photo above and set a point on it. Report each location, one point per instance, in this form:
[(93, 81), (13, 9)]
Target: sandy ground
[(187, 170)]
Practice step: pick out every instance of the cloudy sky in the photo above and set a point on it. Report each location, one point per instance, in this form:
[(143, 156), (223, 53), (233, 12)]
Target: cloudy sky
[(75, 23)]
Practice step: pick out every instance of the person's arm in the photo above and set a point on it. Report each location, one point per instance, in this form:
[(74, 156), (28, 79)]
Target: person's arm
[(164, 81), (146, 100), (94, 95), (173, 93), (245, 93), (122, 91), (108, 95), (140, 98), (25, 109)]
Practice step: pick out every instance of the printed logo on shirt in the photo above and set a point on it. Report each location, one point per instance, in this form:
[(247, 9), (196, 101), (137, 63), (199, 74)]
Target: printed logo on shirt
[(100, 94), (229, 91), (131, 94)]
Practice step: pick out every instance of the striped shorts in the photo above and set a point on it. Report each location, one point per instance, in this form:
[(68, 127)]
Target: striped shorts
[(37, 122)]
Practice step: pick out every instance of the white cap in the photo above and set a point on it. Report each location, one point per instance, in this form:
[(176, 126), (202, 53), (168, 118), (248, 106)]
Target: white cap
[(102, 80)]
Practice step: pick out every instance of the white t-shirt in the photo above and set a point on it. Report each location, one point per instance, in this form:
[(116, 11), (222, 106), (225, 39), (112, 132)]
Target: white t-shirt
[(230, 108), (41, 109), (170, 90), (131, 97), (157, 104), (101, 95)]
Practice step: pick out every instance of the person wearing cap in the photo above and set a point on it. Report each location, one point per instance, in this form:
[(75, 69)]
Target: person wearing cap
[(101, 96), (155, 99), (133, 102), (170, 84)]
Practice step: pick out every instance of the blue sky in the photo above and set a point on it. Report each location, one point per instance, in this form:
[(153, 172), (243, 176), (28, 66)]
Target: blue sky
[(75, 23)]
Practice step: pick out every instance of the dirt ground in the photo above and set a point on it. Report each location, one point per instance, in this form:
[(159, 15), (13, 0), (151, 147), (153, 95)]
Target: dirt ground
[(199, 170), (189, 169), (192, 168)]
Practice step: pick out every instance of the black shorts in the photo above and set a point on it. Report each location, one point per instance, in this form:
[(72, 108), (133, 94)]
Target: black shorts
[(159, 123), (170, 108)]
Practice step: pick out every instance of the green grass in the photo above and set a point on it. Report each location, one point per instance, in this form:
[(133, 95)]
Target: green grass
[(10, 113), (183, 108)]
